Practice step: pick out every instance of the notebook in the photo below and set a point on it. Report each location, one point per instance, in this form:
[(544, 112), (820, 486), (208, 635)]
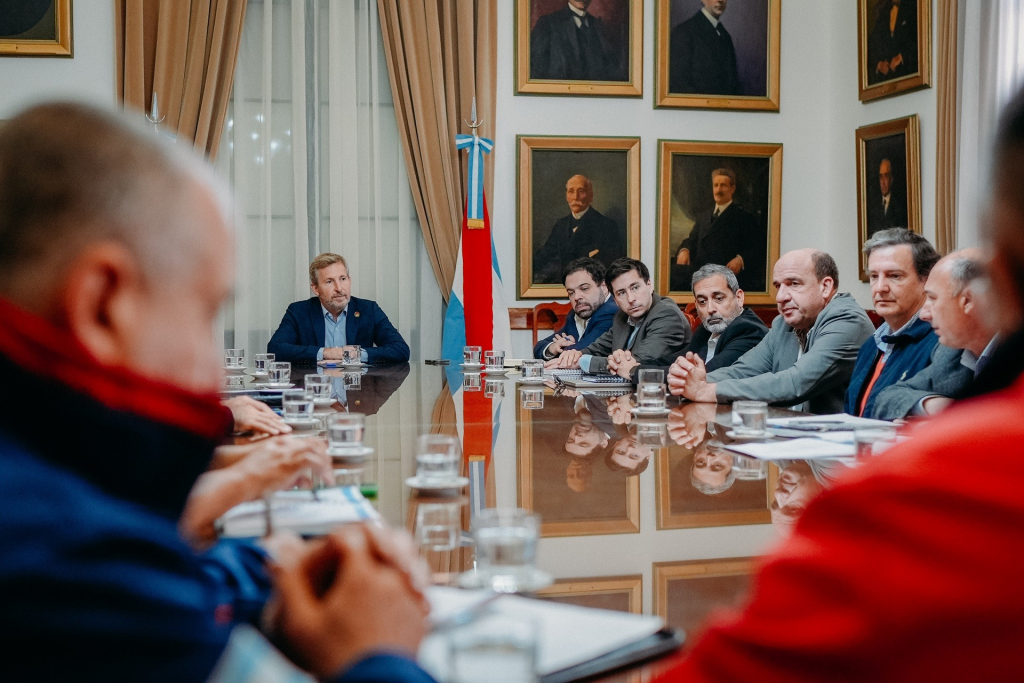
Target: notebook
[(299, 512)]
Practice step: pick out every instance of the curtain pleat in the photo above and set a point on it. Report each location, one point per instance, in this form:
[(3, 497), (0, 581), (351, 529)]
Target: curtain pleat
[(947, 77), (440, 54)]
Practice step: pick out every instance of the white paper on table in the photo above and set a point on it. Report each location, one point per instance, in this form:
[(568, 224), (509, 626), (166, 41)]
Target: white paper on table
[(567, 635), (795, 449), (299, 512), (852, 420)]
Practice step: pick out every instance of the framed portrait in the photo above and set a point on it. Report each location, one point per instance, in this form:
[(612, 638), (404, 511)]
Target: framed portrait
[(35, 28), (686, 593), (711, 58), (888, 180), (710, 486), (619, 593), (580, 488), (893, 47), (718, 202), (579, 47), (575, 197)]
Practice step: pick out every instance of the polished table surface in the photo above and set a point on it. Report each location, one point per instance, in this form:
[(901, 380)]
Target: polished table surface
[(648, 516)]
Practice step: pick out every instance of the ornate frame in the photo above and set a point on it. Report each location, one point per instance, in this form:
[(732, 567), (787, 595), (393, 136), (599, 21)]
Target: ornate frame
[(915, 81), (63, 46)]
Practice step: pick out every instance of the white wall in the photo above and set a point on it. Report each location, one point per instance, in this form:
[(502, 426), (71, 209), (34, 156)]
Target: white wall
[(89, 75), (818, 116)]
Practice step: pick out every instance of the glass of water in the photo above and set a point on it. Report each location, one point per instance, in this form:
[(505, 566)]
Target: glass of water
[(352, 355), (439, 525), (531, 398), (352, 380), (345, 433), (506, 547), (279, 372), (533, 370), (260, 361), (318, 388), (298, 407), (234, 359), (494, 649), (750, 418), (650, 390), (471, 355), (494, 387), (437, 458), (471, 381), (494, 360), (749, 469)]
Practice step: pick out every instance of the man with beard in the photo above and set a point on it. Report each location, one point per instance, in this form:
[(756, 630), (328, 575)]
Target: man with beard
[(593, 310)]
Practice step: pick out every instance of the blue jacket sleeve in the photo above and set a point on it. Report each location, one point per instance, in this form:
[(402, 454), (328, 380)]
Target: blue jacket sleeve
[(285, 344), (384, 668), (238, 570), (388, 345)]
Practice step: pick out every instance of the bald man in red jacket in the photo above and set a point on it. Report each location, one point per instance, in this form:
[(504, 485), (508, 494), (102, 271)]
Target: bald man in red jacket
[(911, 568)]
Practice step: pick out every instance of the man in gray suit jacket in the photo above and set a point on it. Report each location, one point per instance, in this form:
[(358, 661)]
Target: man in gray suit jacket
[(646, 324), (807, 357)]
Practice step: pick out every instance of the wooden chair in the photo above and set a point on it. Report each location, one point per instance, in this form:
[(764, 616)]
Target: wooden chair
[(690, 311), (551, 314)]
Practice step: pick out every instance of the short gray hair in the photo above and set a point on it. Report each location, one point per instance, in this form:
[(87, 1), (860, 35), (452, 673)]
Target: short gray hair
[(963, 270), (708, 489), (712, 269), (924, 254)]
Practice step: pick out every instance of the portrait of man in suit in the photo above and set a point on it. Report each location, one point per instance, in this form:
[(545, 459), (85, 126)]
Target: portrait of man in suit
[(579, 40), (887, 207), (892, 43)]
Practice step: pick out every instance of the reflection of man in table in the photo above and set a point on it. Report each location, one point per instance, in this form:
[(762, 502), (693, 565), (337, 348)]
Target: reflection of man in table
[(702, 58), (886, 208), (727, 235), (892, 45), (584, 232), (571, 44)]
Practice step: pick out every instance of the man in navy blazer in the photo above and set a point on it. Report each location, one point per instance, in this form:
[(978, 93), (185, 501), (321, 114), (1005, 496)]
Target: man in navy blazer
[(321, 327), (593, 309)]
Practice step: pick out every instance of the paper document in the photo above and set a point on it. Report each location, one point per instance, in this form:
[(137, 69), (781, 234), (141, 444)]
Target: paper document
[(795, 449), (299, 512), (851, 420)]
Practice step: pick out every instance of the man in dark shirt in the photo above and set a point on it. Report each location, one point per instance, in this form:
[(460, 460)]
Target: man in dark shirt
[(702, 58)]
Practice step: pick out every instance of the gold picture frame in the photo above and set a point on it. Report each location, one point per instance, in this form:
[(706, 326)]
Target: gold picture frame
[(897, 141), (680, 573), (688, 198), (765, 32), (576, 592), (610, 506), (545, 165), (43, 40), (533, 79), (873, 46)]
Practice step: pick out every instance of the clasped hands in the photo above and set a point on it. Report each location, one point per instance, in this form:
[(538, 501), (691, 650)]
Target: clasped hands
[(338, 352), (687, 377)]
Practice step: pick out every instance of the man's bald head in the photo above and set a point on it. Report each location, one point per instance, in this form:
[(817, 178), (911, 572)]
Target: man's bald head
[(805, 281)]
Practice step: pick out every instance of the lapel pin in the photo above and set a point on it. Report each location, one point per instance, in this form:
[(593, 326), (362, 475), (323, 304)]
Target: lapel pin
[(356, 314)]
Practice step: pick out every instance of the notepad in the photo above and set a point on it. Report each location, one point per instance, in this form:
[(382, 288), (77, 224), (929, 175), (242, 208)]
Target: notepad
[(299, 512)]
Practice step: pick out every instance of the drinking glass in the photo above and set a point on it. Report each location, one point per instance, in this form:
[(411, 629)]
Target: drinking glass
[(437, 458), (749, 469), (352, 355), (750, 418), (873, 440), (494, 649), (650, 390), (260, 360), (533, 369), (654, 434), (318, 388), (439, 525), (279, 372), (471, 355), (353, 380), (494, 387), (234, 359), (506, 547), (297, 405), (471, 381), (494, 360), (345, 433), (531, 398)]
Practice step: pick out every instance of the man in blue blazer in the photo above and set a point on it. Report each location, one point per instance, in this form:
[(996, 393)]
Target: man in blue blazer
[(593, 309), (320, 327)]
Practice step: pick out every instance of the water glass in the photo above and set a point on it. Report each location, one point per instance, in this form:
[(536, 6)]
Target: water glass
[(260, 361), (531, 398), (472, 382), (653, 434), (439, 525), (297, 405), (750, 418), (650, 390), (437, 458), (533, 369), (234, 359), (873, 440), (234, 382), (352, 355), (318, 388), (352, 380), (494, 649), (506, 547), (749, 469), (471, 355), (494, 360), (279, 372), (494, 387), (345, 433)]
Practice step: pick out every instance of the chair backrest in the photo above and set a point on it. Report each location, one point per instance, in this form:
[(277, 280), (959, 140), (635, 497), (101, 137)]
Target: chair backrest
[(690, 311), (549, 316)]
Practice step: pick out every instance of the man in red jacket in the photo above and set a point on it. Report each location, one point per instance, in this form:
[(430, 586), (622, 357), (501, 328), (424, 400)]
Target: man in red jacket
[(909, 569)]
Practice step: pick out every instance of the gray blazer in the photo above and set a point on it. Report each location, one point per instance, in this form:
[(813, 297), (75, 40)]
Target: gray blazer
[(945, 376), (662, 332), (771, 372)]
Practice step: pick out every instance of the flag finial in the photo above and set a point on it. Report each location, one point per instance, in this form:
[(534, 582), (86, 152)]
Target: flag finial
[(474, 123)]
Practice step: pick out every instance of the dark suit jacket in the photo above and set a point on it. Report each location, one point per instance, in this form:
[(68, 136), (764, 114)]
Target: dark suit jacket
[(944, 376), (597, 236), (702, 60), (880, 219), (662, 332), (560, 51), (884, 44), (599, 322), (302, 332), (734, 233)]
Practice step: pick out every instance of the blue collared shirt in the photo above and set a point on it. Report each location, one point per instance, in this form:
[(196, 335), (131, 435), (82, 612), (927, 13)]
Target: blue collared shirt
[(884, 331), (335, 335)]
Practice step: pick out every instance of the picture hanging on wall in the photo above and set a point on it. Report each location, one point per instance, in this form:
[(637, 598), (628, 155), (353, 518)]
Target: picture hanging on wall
[(714, 54), (35, 28), (894, 46), (579, 47), (888, 180), (576, 197), (718, 202)]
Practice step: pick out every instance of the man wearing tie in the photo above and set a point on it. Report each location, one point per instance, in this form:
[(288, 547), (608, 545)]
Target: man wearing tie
[(702, 57), (888, 208), (571, 44)]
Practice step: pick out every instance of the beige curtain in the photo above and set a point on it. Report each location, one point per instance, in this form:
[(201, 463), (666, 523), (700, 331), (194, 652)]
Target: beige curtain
[(185, 51), (440, 54), (947, 127)]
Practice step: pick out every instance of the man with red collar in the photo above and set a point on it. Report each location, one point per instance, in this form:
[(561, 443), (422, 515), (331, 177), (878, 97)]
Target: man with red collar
[(113, 417)]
